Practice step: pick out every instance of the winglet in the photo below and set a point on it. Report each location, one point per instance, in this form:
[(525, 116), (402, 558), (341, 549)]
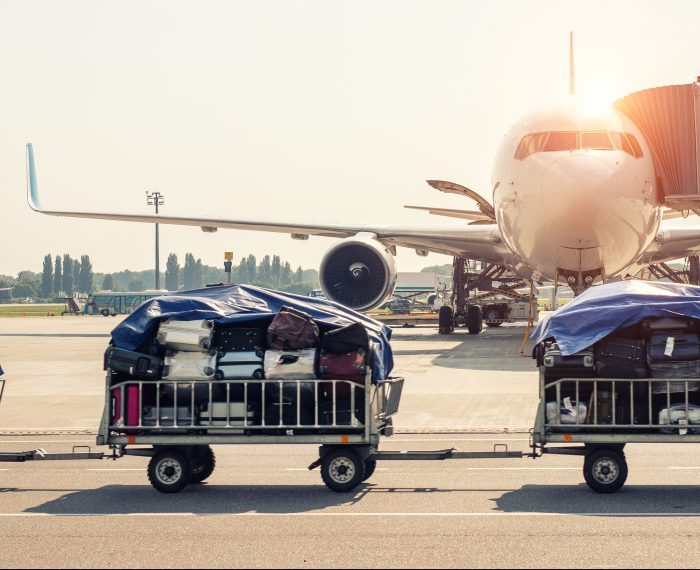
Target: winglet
[(32, 187)]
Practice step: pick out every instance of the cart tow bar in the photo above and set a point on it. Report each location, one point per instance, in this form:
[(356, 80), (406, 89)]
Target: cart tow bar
[(78, 453)]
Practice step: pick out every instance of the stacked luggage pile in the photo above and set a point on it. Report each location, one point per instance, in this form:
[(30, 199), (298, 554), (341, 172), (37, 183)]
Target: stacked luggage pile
[(638, 366), (198, 375)]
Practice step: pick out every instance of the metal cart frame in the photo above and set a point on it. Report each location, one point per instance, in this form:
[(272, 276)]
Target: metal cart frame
[(601, 440)]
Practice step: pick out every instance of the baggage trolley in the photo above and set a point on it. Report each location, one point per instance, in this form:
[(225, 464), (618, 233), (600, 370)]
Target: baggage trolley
[(618, 412)]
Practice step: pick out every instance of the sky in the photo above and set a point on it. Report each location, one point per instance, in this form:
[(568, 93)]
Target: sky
[(301, 111)]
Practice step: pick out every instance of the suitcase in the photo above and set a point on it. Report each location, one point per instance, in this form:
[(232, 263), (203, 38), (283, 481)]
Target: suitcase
[(343, 416), (676, 324), (240, 365), (230, 339), (674, 355), (290, 364), (579, 365), (167, 416), (602, 413), (346, 339), (345, 366), (201, 393), (190, 365), (567, 413), (134, 364), (292, 330), (130, 407), (287, 403), (186, 336), (678, 417), (237, 414), (618, 357)]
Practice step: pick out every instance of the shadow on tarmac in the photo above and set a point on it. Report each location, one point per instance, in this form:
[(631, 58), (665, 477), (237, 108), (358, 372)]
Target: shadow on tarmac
[(632, 500), (197, 499)]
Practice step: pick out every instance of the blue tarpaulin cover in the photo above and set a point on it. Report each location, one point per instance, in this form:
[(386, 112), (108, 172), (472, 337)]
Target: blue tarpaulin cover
[(604, 309), (240, 304)]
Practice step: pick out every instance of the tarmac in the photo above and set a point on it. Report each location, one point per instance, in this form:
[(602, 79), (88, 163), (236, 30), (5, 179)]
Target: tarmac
[(263, 508)]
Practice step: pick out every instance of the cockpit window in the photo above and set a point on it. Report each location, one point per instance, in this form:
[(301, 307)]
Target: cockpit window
[(530, 145), (596, 141), (561, 141), (570, 140)]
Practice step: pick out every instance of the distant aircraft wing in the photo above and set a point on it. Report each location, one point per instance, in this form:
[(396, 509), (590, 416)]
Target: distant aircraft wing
[(477, 242), (673, 243)]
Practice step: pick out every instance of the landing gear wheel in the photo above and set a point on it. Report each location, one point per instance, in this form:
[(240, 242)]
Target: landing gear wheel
[(342, 470), (169, 471), (605, 470), (446, 320), (370, 468), (203, 464), (475, 322)]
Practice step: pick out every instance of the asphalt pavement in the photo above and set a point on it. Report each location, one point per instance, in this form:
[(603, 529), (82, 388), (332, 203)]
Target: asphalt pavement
[(263, 508)]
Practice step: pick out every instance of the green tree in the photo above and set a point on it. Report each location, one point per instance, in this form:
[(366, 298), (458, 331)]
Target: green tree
[(86, 277), (252, 269), (188, 272), (276, 271), (299, 275), (47, 277), (67, 282), (242, 276), (108, 283), (265, 272), (76, 275), (199, 274), (58, 275), (136, 285), (287, 275), (172, 273)]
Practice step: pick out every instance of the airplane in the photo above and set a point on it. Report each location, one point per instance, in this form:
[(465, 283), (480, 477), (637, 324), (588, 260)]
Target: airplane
[(576, 200)]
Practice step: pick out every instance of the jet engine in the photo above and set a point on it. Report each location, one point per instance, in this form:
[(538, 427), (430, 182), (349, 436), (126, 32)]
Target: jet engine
[(359, 272)]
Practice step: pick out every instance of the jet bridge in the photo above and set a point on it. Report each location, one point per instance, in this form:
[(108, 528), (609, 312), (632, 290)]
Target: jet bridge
[(669, 119)]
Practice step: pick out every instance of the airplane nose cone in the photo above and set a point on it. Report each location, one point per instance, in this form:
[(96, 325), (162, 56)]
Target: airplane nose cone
[(580, 191)]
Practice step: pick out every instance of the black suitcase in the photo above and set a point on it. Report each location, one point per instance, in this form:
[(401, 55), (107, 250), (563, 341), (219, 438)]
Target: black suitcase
[(136, 364), (620, 357), (346, 339), (579, 365), (231, 339), (288, 404), (674, 355)]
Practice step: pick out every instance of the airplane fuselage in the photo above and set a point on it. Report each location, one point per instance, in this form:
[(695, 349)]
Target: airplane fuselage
[(575, 195)]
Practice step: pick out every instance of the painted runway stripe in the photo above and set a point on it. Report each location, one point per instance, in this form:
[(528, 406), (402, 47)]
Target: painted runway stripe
[(354, 515)]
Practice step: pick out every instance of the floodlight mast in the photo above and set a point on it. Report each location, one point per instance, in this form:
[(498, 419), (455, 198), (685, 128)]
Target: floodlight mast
[(156, 199)]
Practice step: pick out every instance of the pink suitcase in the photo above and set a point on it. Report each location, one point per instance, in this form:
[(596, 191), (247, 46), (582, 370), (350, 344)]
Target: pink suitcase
[(131, 413)]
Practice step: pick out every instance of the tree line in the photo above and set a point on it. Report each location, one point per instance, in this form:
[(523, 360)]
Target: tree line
[(64, 275)]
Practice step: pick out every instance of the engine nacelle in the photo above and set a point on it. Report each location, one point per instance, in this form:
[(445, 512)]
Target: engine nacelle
[(359, 272)]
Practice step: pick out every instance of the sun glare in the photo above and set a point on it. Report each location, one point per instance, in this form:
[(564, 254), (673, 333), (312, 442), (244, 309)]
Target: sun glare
[(596, 100)]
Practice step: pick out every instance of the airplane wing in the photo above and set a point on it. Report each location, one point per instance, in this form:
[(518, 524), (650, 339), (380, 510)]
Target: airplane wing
[(477, 242), (673, 243)]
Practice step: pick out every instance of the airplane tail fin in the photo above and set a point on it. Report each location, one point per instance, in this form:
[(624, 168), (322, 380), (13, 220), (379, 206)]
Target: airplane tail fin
[(32, 186)]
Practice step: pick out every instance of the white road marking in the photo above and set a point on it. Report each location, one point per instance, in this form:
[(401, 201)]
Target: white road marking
[(61, 442), (356, 515), (682, 468), (115, 469)]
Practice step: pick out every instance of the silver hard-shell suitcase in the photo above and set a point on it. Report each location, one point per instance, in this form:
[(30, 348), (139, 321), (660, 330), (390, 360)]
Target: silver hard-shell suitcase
[(240, 365), (186, 336), (290, 364), (189, 365)]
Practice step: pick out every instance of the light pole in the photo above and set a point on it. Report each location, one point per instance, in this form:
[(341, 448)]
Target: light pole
[(156, 199)]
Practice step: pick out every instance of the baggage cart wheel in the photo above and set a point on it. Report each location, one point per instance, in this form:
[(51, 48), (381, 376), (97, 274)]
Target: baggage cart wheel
[(370, 468), (104, 312), (342, 470), (169, 471), (605, 470), (203, 464)]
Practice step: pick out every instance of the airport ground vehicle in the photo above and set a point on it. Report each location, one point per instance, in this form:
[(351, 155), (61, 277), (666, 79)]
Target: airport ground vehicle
[(113, 304)]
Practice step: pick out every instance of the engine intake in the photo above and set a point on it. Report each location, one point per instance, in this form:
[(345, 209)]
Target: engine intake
[(359, 272)]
